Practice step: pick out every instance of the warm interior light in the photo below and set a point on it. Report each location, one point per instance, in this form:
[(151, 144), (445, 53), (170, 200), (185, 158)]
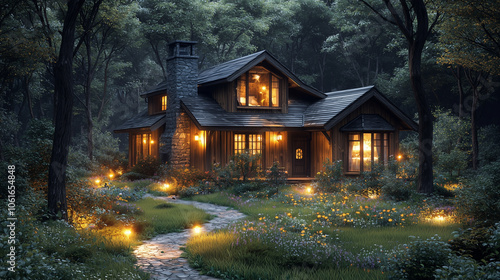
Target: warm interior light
[(197, 229), (144, 141), (400, 157), (279, 137), (152, 142), (127, 232), (196, 137), (256, 77), (263, 88)]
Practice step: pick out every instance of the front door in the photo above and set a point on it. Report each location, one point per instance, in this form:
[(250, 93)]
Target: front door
[(300, 155)]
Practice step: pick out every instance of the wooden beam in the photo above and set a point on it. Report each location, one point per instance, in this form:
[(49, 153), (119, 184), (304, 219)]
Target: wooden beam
[(327, 136)]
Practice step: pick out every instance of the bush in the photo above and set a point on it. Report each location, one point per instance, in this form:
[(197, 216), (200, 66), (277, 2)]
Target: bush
[(459, 267), (245, 165), (243, 187), (478, 200), (275, 176), (330, 179), (417, 260), (149, 166)]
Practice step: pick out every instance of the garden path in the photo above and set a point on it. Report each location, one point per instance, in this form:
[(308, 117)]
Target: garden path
[(161, 255)]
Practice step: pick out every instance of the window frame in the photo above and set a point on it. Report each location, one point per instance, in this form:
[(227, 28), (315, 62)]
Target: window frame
[(247, 141), (382, 150), (164, 102), (246, 79), (139, 147)]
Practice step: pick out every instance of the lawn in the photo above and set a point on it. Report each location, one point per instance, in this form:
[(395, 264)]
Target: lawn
[(301, 235)]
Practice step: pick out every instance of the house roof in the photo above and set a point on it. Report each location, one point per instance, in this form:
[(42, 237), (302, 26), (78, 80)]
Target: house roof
[(321, 114), (207, 113), (368, 122), (142, 121), (231, 70)]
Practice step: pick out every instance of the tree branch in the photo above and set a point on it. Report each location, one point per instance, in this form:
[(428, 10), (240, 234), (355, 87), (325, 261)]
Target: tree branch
[(377, 12)]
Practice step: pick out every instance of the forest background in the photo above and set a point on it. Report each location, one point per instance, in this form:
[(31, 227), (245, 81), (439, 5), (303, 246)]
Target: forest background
[(120, 52)]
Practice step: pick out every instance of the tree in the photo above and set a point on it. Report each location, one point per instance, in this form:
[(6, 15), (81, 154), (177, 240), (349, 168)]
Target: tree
[(63, 89), (413, 22), (470, 39)]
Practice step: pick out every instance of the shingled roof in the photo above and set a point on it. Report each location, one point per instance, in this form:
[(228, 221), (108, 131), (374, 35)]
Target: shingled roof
[(142, 121), (321, 114), (230, 70), (208, 114)]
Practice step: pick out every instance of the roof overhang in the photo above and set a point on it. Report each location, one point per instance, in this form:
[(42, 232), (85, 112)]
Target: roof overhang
[(372, 93), (142, 122)]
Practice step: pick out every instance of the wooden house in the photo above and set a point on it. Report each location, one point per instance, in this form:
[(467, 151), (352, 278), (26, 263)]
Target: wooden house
[(255, 103)]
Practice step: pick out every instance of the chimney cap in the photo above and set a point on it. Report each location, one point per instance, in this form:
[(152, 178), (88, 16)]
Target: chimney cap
[(179, 48)]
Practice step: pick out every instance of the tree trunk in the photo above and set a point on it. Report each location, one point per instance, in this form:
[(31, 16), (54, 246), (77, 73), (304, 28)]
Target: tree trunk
[(425, 124), (63, 88), (425, 129), (473, 127)]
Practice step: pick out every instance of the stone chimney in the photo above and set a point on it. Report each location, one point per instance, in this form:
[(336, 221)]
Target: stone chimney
[(182, 81)]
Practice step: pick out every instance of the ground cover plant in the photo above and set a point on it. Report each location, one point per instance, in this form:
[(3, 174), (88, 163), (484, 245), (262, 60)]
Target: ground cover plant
[(326, 235), (107, 219), (371, 227)]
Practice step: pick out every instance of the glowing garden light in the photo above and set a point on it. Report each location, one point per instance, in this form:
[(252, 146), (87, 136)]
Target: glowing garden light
[(111, 175), (309, 190), (97, 181), (166, 186), (127, 232), (197, 230)]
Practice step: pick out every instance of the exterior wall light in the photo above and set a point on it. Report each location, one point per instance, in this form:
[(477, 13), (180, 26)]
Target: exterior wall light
[(196, 137), (279, 137)]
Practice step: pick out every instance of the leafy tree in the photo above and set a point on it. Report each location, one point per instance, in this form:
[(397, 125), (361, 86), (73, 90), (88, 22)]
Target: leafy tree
[(413, 22), (470, 39)]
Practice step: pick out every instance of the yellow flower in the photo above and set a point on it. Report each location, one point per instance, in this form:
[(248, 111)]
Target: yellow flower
[(276, 217), (390, 220)]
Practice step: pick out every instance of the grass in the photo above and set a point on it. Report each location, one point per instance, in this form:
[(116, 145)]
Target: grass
[(160, 217), (259, 247)]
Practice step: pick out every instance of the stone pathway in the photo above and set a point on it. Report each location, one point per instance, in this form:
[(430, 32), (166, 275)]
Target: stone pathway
[(161, 255)]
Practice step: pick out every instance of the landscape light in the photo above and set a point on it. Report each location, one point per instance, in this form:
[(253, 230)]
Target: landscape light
[(309, 190), (127, 232), (197, 230)]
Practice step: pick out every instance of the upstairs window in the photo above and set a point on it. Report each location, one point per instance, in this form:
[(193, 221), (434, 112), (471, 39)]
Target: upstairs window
[(258, 88), (164, 103)]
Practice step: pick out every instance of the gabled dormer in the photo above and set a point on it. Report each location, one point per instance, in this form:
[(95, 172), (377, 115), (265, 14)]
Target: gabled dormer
[(254, 83)]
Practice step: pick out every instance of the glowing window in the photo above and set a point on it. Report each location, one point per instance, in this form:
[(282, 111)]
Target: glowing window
[(250, 142), (299, 154), (164, 103), (365, 149), (143, 147), (258, 88)]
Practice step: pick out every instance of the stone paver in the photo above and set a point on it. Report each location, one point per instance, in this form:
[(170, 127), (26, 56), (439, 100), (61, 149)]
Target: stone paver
[(161, 255)]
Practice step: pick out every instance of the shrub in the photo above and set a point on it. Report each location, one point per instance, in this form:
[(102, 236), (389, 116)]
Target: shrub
[(417, 260), (459, 267), (149, 166), (478, 200), (243, 187), (330, 179), (478, 243), (275, 176), (245, 165)]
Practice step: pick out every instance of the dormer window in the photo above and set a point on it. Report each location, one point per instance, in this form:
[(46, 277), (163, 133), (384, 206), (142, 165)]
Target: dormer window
[(164, 103), (258, 88)]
